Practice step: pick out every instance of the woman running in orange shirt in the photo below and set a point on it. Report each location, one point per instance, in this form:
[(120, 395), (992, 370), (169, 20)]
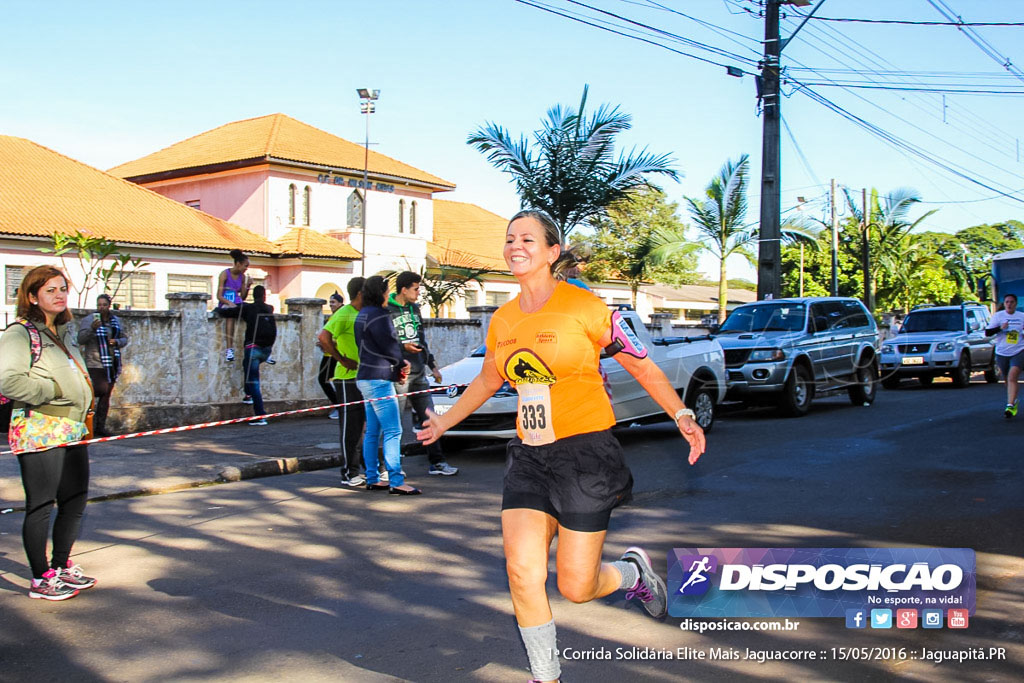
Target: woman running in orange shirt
[(565, 471)]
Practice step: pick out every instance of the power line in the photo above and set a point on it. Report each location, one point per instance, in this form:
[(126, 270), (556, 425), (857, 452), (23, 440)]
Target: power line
[(972, 35), (931, 89), (560, 13), (920, 23)]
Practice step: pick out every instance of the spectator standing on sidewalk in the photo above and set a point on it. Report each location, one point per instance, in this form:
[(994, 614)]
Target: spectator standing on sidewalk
[(43, 373), (405, 314), (338, 339), (232, 289), (380, 366), (101, 337), (260, 335), (328, 363)]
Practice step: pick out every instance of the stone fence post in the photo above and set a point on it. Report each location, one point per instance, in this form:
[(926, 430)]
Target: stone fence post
[(310, 310), (663, 322), (193, 347), (484, 315)]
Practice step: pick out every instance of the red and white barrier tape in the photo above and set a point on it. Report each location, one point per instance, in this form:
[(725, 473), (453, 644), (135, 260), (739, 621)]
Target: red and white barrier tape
[(205, 425)]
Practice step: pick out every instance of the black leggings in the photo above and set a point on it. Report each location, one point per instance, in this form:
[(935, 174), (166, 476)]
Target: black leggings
[(61, 475), (324, 377)]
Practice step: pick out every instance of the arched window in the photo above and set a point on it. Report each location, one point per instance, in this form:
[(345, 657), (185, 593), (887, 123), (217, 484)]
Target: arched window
[(355, 210), (291, 204), (412, 218), (305, 205), (401, 215)]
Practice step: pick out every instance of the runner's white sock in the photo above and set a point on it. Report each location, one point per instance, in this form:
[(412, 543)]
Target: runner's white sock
[(540, 648), (630, 574)]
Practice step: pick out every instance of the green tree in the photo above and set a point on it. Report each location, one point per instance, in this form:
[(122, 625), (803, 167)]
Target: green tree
[(620, 244), (718, 219), (100, 259), (570, 170)]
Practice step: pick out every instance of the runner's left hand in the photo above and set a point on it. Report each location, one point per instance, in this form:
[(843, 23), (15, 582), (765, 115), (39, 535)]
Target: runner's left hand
[(694, 435)]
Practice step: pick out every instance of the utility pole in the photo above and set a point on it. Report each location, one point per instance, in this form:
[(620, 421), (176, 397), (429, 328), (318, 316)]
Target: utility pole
[(769, 257), (835, 244), (869, 300)]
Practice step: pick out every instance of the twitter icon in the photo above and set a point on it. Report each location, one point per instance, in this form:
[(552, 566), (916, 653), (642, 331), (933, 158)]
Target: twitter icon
[(881, 618)]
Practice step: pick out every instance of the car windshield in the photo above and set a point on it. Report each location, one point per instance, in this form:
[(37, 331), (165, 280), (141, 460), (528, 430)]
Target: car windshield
[(766, 317), (934, 321)]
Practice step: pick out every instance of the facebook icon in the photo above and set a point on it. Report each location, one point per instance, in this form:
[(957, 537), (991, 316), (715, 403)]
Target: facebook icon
[(856, 618)]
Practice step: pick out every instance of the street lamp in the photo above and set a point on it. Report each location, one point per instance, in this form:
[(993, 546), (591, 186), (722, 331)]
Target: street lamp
[(367, 99)]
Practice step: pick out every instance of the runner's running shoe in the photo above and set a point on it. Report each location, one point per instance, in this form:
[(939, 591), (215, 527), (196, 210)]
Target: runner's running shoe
[(50, 587), (1011, 410), (72, 576), (229, 355), (443, 468), (649, 588)]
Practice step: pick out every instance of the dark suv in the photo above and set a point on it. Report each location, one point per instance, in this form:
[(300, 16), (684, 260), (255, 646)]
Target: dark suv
[(784, 351)]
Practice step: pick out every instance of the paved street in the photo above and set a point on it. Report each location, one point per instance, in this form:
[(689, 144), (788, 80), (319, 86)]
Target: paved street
[(291, 578)]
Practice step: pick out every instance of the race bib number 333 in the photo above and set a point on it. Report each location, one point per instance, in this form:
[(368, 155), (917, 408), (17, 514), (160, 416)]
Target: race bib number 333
[(535, 414)]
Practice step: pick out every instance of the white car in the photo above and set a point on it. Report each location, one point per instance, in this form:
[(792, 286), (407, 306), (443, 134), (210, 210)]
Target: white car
[(695, 367)]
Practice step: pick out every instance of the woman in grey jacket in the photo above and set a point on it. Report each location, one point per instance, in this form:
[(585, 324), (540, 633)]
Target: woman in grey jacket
[(54, 385)]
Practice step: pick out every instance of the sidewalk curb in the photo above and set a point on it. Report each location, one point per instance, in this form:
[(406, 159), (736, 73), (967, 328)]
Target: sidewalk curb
[(271, 468), (255, 470)]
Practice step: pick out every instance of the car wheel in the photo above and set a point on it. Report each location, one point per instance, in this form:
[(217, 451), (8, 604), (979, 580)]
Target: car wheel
[(798, 392), (891, 382), (991, 376), (925, 380), (866, 388), (702, 402), (962, 373)]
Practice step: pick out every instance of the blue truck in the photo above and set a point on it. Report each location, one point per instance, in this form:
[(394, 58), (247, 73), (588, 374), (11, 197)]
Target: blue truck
[(1008, 274)]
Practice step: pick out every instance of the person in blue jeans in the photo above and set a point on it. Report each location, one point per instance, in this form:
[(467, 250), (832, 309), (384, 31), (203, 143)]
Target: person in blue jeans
[(260, 335), (380, 366)]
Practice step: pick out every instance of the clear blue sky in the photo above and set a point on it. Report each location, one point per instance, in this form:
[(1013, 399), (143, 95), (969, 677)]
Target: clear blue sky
[(107, 82)]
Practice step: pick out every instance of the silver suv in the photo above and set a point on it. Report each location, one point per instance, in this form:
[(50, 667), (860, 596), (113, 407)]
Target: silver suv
[(784, 351), (940, 340)]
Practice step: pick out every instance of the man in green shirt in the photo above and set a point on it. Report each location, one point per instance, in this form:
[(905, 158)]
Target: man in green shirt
[(338, 339)]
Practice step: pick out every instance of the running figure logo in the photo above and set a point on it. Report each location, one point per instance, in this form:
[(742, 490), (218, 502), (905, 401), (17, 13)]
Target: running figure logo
[(695, 581)]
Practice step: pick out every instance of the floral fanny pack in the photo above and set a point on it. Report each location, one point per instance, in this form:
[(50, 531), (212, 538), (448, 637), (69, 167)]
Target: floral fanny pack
[(32, 430)]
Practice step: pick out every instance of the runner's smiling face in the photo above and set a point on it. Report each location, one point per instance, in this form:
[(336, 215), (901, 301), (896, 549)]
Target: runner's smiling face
[(52, 297), (526, 250)]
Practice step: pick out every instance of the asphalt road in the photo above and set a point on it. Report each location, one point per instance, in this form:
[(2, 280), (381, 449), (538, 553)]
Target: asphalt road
[(291, 578)]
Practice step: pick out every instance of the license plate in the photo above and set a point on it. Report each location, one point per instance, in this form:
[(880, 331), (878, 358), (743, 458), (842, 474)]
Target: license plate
[(441, 408), (913, 360)]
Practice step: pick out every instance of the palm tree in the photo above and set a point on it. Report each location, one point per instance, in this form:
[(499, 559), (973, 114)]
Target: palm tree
[(569, 170), (719, 223)]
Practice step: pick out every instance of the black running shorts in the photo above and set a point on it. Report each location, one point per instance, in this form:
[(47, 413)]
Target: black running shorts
[(577, 480)]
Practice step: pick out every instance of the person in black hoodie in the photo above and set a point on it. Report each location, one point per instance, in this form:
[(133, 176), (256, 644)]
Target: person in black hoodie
[(380, 366), (405, 313), (260, 334)]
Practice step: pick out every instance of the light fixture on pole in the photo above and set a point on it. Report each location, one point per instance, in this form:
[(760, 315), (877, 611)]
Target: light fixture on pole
[(367, 106)]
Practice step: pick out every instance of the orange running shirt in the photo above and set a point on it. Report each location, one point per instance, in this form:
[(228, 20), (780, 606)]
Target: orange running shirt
[(557, 346)]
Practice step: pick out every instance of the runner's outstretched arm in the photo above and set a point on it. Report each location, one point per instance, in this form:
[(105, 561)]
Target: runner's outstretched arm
[(654, 381), (477, 393)]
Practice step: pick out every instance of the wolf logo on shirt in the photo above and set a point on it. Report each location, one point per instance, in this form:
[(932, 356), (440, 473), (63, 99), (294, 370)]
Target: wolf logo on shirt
[(526, 367)]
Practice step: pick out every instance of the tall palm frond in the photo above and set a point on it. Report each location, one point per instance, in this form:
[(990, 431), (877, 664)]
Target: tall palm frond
[(570, 170)]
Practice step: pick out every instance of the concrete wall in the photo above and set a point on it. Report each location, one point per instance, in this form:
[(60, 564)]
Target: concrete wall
[(175, 373)]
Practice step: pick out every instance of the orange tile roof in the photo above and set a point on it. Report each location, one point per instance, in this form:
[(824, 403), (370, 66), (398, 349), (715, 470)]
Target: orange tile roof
[(269, 138), (466, 234), (42, 192), (308, 242)]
